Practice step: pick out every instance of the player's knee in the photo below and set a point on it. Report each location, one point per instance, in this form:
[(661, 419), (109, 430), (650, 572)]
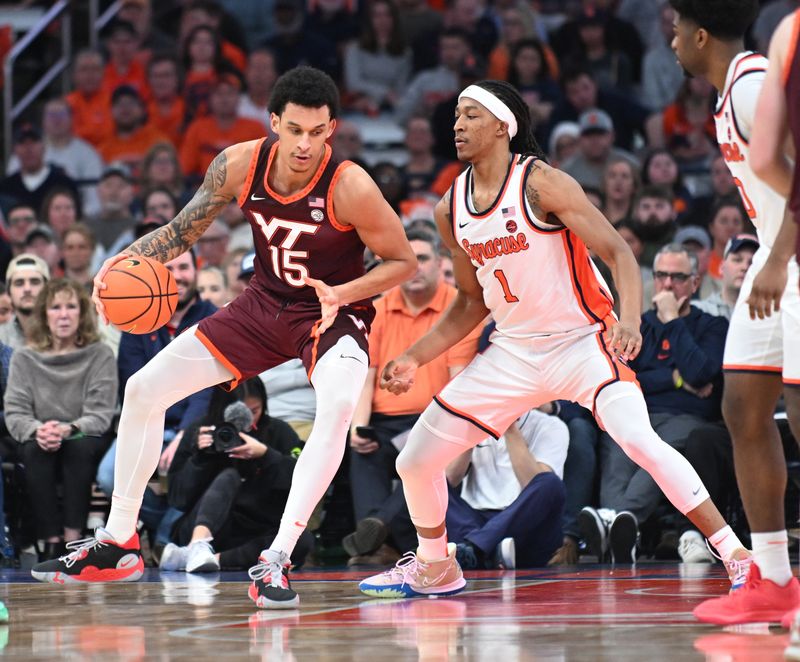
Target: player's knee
[(741, 416), (137, 390), (408, 466)]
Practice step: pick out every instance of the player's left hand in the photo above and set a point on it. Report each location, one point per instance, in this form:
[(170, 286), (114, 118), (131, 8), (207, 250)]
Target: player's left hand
[(625, 340), (768, 287), (329, 301)]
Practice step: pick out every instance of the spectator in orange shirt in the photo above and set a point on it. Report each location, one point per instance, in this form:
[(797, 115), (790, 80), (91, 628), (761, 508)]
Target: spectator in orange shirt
[(202, 63), (132, 138), (404, 315), (208, 136), (90, 102), (166, 110), (123, 68)]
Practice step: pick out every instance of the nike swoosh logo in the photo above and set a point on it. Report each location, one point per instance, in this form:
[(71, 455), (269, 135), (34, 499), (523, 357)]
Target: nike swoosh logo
[(462, 226), (255, 198), (355, 358), (694, 492), (126, 564)]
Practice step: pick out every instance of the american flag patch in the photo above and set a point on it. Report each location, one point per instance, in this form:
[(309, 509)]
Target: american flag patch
[(508, 212), (316, 202)]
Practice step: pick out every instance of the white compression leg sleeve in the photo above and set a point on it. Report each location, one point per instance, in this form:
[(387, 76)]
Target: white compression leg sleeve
[(338, 380), (435, 441), (623, 412), (182, 368)]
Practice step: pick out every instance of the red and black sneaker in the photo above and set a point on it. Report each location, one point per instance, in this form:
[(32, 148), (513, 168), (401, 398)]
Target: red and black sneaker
[(271, 588), (96, 559)]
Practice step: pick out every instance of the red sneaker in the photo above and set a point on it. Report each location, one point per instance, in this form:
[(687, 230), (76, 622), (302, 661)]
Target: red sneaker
[(758, 601), (790, 617)]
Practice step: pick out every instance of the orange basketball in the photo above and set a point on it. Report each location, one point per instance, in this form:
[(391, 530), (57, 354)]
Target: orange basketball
[(140, 296)]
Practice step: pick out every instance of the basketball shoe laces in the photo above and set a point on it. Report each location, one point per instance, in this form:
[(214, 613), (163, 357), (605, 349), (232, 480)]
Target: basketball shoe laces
[(80, 549), (738, 569), (410, 567), (272, 568)]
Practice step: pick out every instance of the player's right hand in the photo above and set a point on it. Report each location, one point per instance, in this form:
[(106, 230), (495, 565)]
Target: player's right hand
[(398, 375), (768, 288), (100, 284)]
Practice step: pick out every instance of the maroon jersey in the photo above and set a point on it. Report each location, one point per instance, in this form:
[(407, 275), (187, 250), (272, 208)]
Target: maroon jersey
[(791, 79), (299, 235)]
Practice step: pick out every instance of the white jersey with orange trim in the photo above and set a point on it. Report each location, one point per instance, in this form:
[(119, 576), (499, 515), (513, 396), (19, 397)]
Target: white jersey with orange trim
[(734, 117), (537, 279)]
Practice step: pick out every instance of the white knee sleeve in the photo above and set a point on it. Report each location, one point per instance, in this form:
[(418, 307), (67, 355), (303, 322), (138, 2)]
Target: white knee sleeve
[(621, 409), (435, 441)]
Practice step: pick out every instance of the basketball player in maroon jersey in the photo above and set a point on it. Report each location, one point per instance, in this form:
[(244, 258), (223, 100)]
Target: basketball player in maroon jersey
[(310, 298)]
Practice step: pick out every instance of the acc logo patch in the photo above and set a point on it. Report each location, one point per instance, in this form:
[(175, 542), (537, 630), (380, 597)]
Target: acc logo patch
[(317, 215), (511, 226)]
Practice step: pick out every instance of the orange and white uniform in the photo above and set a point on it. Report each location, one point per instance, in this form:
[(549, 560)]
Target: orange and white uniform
[(771, 345), (550, 304)]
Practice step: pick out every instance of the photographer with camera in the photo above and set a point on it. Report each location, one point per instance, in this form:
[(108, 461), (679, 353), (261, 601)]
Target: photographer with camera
[(231, 476)]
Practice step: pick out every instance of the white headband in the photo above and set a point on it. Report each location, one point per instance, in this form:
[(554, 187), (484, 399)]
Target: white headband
[(493, 105)]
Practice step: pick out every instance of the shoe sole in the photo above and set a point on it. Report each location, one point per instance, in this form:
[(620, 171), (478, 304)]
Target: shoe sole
[(508, 553), (208, 566), (405, 591), (370, 534), (622, 539), (61, 578), (742, 618), (592, 530), (264, 603)]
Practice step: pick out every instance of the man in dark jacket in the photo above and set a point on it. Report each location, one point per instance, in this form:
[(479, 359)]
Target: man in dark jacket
[(680, 371)]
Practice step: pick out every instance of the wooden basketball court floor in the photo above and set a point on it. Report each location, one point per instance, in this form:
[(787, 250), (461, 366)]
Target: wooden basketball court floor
[(581, 613)]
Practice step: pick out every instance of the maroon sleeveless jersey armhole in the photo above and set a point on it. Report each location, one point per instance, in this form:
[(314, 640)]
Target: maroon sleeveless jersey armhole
[(251, 171), (344, 165)]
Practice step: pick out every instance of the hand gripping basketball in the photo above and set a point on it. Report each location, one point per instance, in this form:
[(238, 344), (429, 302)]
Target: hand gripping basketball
[(100, 284)]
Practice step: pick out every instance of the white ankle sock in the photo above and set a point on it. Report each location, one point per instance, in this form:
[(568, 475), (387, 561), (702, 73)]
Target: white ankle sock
[(771, 555), (726, 542), (124, 511), (432, 549)]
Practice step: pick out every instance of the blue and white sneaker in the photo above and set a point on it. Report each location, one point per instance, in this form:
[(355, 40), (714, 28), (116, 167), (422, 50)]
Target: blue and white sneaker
[(412, 577)]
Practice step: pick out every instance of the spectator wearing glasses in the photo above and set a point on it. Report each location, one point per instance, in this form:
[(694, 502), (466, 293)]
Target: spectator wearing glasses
[(680, 371)]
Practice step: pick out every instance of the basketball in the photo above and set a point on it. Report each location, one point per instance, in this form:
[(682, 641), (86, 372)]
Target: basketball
[(140, 296)]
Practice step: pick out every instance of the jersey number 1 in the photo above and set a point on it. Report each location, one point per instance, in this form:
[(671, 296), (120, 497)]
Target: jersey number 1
[(751, 211), (501, 277)]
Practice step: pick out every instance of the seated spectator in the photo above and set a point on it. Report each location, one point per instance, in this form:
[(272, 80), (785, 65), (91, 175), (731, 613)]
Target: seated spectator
[(123, 67), (20, 219), (661, 169), (686, 126), (506, 496), (202, 62), (63, 148), (696, 239), (6, 311), (661, 73), (41, 241), (152, 39), (595, 150), (432, 86), (423, 165), (336, 21), (160, 202), (26, 275), (77, 249), (161, 168), (233, 499), (210, 14), (166, 108), (629, 231), (654, 215), (722, 186), (518, 22), (529, 73), (421, 25), (291, 396), (474, 18), (563, 144), (238, 267), (403, 315), (620, 186), (212, 246), (212, 286), (60, 210), (392, 184), (132, 135), (115, 191), (738, 258), (259, 76), (241, 238), (727, 220), (90, 101), (35, 177), (377, 67), (680, 371), (208, 136), (609, 65), (59, 403), (134, 352)]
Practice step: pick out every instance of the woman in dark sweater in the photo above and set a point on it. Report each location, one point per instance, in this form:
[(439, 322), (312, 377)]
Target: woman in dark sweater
[(233, 500)]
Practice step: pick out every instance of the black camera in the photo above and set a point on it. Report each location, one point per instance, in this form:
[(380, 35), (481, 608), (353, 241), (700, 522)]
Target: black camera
[(226, 437)]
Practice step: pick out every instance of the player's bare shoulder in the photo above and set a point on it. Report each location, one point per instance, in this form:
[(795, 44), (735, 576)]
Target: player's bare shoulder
[(233, 164), (356, 197), (544, 186)]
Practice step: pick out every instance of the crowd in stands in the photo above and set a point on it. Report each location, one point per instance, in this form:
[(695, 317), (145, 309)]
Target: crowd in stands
[(176, 82)]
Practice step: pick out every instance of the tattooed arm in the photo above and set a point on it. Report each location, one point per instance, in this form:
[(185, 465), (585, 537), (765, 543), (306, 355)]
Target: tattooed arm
[(224, 178)]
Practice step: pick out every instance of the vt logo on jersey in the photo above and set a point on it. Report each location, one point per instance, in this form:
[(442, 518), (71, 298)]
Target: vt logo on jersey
[(496, 247)]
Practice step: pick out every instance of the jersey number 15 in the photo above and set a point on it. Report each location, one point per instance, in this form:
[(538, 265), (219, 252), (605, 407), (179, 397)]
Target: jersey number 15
[(287, 264)]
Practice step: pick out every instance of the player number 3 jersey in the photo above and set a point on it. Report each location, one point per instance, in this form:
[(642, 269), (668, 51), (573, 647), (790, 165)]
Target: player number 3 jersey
[(537, 279)]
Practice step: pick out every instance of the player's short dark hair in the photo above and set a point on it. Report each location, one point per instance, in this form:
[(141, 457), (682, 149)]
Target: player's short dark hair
[(524, 142), (727, 20), (307, 87)]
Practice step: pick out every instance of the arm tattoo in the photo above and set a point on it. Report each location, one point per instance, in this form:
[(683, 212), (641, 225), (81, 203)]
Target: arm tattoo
[(184, 230), (534, 198)]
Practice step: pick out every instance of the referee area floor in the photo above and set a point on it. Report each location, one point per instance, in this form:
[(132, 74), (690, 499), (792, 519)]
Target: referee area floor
[(587, 612)]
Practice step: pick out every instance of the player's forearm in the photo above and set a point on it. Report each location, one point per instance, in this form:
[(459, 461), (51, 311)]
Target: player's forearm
[(463, 315), (523, 462), (388, 274), (628, 280), (363, 410), (777, 173)]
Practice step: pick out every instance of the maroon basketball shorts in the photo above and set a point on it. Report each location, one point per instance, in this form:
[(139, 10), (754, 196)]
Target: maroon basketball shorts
[(258, 331)]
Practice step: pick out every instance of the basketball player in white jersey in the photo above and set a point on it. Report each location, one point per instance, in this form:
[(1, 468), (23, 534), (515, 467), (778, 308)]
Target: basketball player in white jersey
[(518, 231), (763, 348)]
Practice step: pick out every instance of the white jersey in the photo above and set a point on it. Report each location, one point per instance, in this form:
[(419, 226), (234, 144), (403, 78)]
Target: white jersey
[(735, 117), (537, 279)]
